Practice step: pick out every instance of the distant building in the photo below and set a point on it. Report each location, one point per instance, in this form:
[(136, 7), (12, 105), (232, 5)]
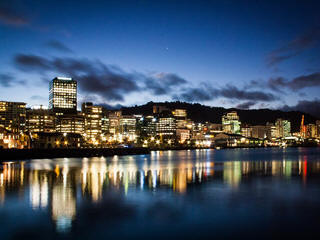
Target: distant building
[(146, 126), (166, 125), (63, 95), (259, 131), (114, 122), (318, 128), (246, 131), (159, 109), (70, 123), (271, 131), (92, 121), (13, 116), (311, 131), (57, 140), (40, 120), (231, 123), (183, 135), (283, 128), (181, 118), (128, 126)]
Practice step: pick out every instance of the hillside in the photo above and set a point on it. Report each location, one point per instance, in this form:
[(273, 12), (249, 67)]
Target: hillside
[(202, 113)]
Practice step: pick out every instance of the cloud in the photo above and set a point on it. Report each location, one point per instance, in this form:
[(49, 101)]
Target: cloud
[(246, 105), (295, 47), (206, 93), (311, 107), (162, 83), (10, 16), (279, 84), (57, 45), (7, 80), (106, 81), (37, 97), (235, 93)]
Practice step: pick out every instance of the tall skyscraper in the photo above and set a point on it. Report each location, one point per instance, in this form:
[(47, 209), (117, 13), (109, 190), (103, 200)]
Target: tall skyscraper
[(63, 95)]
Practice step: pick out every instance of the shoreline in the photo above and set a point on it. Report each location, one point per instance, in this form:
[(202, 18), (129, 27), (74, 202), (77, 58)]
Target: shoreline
[(25, 154)]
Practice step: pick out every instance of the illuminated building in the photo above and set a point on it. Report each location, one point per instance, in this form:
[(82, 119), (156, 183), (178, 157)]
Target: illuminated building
[(70, 123), (246, 131), (271, 131), (318, 128), (283, 128), (10, 139), (181, 118), (231, 123), (105, 122), (259, 131), (40, 120), (92, 120), (128, 125), (157, 109), (63, 95), (13, 116), (146, 126), (44, 140), (311, 131), (166, 124), (183, 135), (114, 122)]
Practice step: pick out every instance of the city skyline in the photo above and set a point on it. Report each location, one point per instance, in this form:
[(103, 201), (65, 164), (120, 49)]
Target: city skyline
[(227, 54)]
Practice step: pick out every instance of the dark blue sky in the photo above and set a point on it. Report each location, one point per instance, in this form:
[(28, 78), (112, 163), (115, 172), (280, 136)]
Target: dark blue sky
[(221, 53)]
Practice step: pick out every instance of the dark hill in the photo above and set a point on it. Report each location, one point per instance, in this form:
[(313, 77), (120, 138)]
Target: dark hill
[(201, 113)]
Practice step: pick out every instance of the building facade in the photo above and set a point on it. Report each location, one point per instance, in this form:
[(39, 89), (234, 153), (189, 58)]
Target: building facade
[(13, 116), (231, 123), (63, 95)]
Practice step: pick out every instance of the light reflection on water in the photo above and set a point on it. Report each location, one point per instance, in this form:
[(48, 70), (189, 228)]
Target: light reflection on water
[(60, 188)]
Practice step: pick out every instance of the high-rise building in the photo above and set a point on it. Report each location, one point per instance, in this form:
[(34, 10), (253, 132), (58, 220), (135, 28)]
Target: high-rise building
[(40, 120), (246, 131), (231, 123), (283, 128), (63, 95), (13, 116), (92, 121)]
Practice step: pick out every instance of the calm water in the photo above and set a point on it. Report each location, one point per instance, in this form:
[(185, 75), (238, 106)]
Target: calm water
[(241, 193)]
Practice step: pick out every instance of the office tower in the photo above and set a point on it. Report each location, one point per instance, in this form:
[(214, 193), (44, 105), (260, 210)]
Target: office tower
[(70, 123), (13, 116), (63, 95), (166, 125), (40, 119), (92, 121), (283, 128), (231, 123)]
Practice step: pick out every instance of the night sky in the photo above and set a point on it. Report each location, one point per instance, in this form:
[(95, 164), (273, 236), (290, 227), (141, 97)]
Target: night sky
[(245, 54)]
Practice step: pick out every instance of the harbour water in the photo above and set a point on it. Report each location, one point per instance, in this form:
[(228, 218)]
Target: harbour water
[(233, 193)]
